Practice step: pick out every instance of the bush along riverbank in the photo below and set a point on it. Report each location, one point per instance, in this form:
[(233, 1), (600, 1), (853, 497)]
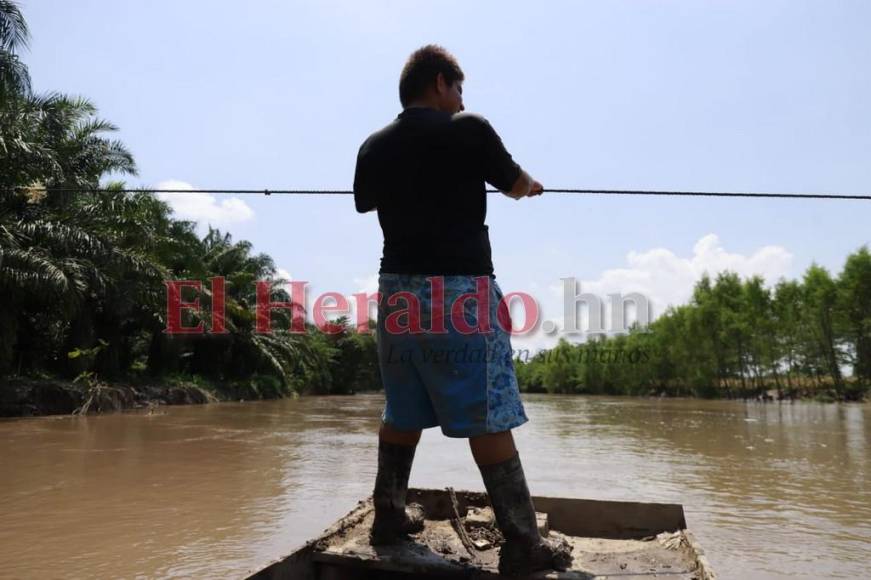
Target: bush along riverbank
[(38, 396), (342, 362)]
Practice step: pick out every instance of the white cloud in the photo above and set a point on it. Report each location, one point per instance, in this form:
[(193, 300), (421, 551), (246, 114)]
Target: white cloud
[(662, 276), (668, 279), (204, 208), (367, 284)]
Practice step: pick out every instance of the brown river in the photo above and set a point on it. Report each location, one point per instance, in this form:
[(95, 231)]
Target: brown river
[(771, 490)]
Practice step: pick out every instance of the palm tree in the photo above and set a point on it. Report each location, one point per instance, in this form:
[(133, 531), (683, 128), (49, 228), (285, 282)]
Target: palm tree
[(57, 141), (14, 77), (52, 139), (90, 264), (280, 353)]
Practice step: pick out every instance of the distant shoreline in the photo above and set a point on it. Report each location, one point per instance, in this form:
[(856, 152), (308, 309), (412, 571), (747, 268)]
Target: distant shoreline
[(39, 397)]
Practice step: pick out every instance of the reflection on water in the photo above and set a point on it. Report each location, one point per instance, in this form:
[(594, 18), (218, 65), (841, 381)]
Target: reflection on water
[(771, 490)]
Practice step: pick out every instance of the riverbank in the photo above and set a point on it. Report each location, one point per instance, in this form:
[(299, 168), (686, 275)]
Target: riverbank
[(32, 397), (799, 389)]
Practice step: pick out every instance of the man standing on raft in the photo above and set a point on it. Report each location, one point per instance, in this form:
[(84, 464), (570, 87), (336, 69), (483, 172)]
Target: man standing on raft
[(426, 174)]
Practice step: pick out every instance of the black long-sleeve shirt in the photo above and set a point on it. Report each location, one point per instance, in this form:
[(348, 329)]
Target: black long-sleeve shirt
[(426, 174)]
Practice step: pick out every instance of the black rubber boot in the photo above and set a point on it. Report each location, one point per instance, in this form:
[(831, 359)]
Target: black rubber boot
[(524, 550), (393, 520)]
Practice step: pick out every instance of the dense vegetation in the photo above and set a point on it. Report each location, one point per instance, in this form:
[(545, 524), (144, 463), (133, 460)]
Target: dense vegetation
[(82, 273), (736, 338)]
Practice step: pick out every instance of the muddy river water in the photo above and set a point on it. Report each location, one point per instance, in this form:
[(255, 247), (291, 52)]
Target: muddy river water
[(772, 490)]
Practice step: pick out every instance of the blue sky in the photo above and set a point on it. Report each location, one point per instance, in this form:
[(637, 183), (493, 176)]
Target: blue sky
[(716, 95)]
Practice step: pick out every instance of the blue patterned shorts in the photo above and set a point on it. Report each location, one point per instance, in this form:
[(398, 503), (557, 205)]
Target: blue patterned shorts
[(446, 375)]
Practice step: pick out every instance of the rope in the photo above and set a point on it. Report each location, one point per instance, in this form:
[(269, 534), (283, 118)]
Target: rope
[(546, 190)]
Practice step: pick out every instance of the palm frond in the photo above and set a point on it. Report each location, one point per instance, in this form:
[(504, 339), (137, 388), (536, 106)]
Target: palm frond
[(14, 33), (14, 76)]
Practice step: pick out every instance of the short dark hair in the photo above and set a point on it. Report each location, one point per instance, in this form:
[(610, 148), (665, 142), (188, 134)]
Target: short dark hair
[(422, 68)]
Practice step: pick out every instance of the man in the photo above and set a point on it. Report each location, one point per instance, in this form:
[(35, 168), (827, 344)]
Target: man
[(426, 174)]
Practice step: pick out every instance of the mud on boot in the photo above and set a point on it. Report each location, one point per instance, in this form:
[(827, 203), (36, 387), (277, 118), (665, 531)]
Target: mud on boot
[(391, 528), (517, 559), (393, 520), (524, 550)]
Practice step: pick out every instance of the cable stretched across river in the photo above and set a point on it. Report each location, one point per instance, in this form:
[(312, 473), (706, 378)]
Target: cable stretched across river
[(546, 190)]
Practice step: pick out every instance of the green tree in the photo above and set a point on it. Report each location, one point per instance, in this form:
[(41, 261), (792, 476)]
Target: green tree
[(820, 300), (787, 314), (854, 313)]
